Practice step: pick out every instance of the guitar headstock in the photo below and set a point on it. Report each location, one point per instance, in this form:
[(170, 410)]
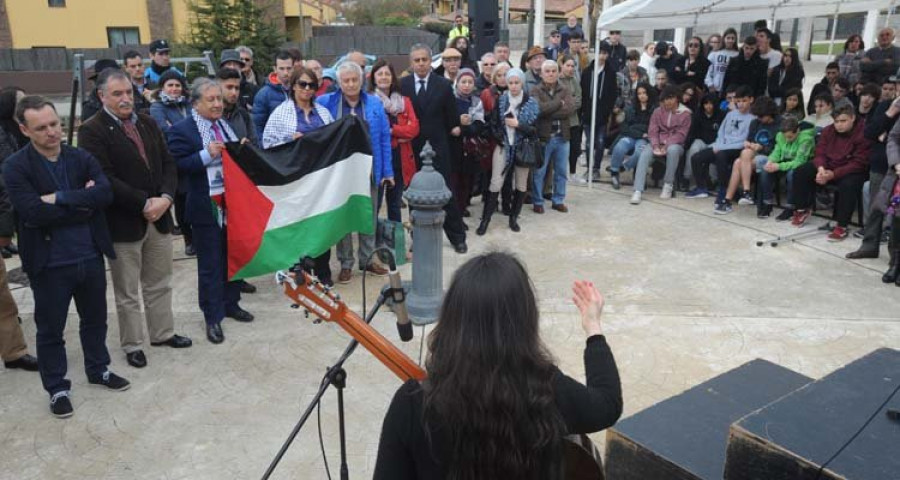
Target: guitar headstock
[(309, 293)]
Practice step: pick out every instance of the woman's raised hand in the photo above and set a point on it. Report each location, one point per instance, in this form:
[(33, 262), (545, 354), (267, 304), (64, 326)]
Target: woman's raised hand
[(589, 301)]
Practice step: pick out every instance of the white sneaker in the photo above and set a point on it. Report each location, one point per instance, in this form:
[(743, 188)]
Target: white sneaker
[(575, 179), (636, 198), (666, 191)]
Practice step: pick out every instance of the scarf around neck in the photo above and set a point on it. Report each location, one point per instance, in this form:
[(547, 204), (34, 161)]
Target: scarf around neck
[(393, 104)]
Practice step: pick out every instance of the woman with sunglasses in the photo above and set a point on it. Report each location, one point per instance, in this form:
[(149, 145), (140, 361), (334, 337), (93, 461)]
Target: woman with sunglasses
[(291, 120), (694, 66)]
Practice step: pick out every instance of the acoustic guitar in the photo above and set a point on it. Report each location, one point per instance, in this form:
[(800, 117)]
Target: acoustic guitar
[(582, 459)]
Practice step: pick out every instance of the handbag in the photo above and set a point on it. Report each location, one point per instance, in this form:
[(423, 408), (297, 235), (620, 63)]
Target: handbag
[(476, 148), (529, 153)]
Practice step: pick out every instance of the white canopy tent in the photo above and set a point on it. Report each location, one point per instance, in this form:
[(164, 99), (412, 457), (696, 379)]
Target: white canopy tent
[(665, 14), (661, 14)]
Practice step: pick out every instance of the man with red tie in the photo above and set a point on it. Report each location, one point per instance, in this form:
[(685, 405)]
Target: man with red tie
[(197, 143)]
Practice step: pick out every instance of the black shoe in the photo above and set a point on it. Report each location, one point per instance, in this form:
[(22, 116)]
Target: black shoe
[(61, 406), (461, 247), (177, 341), (12, 248), (247, 287), (893, 273), (190, 251), (516, 210), (490, 205), (25, 362), (763, 210), (5, 253), (785, 215), (240, 315), (616, 184), (862, 254), (214, 333), (136, 359), (111, 381)]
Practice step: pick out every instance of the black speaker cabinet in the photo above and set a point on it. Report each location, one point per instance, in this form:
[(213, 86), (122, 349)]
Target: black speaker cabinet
[(684, 437), (484, 26), (838, 422)]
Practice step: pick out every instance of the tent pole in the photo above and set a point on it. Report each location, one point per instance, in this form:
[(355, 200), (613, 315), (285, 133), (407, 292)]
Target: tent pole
[(837, 9), (887, 18), (593, 126)]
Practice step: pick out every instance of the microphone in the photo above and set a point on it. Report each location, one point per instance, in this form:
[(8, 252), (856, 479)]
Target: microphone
[(398, 302)]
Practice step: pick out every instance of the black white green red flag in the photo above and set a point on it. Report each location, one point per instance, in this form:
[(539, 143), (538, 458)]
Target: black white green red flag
[(297, 199)]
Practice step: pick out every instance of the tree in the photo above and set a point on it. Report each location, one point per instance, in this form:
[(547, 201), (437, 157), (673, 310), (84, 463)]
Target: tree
[(386, 12), (221, 24)]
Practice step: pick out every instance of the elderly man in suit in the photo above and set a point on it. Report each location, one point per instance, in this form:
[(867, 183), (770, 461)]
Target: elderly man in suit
[(59, 194), (197, 143), (132, 151), (435, 106)]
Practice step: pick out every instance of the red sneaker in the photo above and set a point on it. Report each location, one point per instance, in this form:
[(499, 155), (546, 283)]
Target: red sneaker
[(837, 234), (800, 217)]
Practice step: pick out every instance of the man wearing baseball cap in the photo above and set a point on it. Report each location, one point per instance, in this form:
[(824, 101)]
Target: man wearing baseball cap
[(159, 62), (232, 59)]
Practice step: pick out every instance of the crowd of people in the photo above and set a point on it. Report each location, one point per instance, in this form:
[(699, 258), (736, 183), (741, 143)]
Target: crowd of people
[(726, 119)]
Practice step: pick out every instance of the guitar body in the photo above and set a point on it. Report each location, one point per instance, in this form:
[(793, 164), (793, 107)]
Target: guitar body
[(582, 459)]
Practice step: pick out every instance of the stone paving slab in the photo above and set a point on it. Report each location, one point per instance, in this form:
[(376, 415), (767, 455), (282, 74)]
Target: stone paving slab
[(689, 296)]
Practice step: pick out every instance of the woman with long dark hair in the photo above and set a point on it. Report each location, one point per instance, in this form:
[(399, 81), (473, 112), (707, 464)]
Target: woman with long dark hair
[(9, 98), (494, 404), (786, 76), (404, 128), (694, 66), (633, 137), (718, 62)]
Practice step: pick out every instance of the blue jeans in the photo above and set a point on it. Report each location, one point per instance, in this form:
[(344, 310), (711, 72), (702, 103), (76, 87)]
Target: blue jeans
[(767, 182), (557, 151), (629, 146), (53, 290)]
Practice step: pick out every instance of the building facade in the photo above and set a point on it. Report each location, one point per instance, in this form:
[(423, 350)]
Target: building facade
[(109, 23)]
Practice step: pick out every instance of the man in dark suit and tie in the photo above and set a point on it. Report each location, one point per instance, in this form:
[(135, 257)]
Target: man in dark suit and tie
[(132, 151), (197, 143), (435, 106)]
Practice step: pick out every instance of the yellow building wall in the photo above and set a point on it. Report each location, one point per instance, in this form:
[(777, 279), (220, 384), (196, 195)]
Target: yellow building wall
[(80, 24), (180, 19)]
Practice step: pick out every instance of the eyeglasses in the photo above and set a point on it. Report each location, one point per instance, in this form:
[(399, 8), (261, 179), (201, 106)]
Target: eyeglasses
[(307, 85)]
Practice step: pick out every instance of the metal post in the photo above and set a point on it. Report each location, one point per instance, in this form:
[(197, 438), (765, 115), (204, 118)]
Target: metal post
[(427, 194), (833, 32), (586, 21), (504, 19), (593, 126), (538, 22)]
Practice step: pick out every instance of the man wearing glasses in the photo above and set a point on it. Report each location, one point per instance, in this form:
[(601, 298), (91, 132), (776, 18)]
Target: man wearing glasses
[(488, 63), (553, 48), (250, 75)]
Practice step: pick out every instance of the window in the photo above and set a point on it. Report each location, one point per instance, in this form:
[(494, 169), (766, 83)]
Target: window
[(123, 36), (56, 3)]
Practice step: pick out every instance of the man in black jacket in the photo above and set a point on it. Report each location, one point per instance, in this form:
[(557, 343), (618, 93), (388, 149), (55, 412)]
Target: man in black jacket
[(132, 152), (435, 106), (832, 73), (607, 93), (234, 113), (748, 68), (59, 194)]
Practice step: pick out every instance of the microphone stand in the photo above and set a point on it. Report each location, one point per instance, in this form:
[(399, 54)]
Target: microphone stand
[(337, 376)]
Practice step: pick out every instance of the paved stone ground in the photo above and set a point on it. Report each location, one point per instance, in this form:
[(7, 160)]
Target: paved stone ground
[(689, 296)]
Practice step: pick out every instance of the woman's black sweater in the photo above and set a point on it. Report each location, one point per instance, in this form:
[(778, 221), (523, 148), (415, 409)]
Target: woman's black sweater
[(405, 452)]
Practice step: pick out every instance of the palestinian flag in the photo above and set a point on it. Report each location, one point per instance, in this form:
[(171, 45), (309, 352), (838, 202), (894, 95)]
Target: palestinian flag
[(297, 199)]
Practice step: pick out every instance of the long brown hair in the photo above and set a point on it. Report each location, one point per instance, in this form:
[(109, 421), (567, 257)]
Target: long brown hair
[(489, 394)]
